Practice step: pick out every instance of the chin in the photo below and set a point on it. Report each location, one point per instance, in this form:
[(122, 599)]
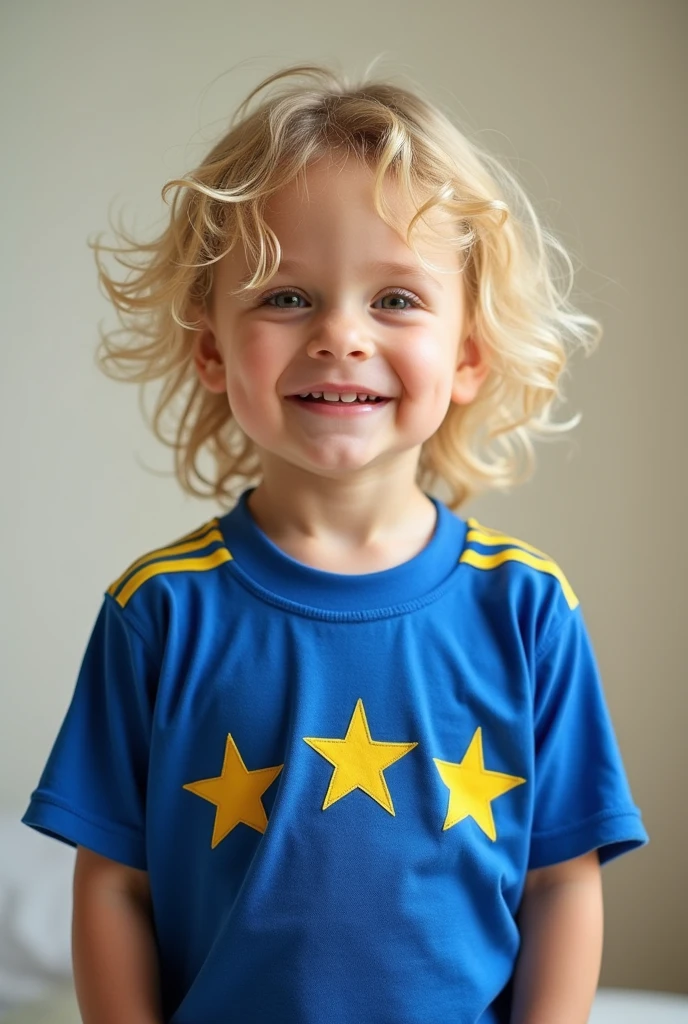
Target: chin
[(335, 461), (336, 470)]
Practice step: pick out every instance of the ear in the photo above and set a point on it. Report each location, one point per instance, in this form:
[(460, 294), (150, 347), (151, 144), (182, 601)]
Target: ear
[(208, 360), (470, 373)]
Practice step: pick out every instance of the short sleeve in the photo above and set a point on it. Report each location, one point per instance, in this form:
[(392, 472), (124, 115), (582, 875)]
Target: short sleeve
[(582, 797), (92, 791)]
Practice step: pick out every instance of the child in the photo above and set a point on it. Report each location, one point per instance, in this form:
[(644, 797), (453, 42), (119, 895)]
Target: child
[(338, 755)]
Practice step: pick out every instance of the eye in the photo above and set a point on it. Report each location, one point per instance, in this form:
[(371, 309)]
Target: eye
[(288, 295), (400, 296), (287, 298)]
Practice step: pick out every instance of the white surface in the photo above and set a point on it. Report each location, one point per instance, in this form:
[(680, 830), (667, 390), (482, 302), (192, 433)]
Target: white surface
[(35, 913), (617, 1006), (60, 1008)]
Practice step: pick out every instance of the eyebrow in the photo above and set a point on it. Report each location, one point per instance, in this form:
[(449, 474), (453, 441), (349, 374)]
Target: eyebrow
[(378, 266)]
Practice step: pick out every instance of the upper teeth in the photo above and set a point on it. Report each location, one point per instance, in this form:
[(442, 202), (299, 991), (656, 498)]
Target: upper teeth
[(334, 396)]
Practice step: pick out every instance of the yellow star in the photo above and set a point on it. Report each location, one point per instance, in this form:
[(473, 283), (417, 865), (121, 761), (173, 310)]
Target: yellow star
[(359, 761), (472, 787), (236, 793)]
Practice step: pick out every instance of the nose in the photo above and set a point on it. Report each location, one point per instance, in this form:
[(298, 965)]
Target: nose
[(340, 335)]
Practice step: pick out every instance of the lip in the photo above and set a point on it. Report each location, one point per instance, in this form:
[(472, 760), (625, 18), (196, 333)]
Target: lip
[(341, 388), (338, 409)]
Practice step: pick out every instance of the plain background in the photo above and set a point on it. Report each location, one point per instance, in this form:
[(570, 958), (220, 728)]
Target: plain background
[(103, 102)]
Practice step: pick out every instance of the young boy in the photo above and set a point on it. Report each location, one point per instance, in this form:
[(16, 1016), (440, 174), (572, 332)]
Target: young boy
[(339, 755)]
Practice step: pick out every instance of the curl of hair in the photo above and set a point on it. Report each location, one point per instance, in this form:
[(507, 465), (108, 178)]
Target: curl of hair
[(518, 277)]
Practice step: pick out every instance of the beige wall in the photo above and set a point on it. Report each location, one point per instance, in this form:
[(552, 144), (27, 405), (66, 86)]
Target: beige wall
[(588, 101)]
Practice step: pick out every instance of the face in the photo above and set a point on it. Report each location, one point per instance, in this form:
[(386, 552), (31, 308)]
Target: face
[(348, 359)]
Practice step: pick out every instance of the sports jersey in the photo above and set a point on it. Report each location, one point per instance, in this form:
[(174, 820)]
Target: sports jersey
[(337, 783)]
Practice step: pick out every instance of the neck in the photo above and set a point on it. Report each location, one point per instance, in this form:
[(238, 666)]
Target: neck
[(361, 524)]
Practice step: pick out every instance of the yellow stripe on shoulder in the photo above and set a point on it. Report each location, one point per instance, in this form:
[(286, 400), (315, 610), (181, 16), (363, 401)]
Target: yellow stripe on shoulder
[(493, 538), (211, 561), (486, 562), (190, 542)]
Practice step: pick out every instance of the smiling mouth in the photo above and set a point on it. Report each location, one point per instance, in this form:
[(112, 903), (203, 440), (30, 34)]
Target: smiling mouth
[(336, 398)]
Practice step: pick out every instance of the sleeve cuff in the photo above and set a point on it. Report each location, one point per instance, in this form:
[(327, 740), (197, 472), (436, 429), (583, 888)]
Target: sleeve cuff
[(49, 815), (610, 834)]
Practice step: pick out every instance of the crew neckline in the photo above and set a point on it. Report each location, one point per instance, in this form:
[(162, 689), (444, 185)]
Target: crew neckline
[(261, 562)]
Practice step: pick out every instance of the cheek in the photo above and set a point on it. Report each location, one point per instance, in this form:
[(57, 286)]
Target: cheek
[(426, 367), (254, 363)]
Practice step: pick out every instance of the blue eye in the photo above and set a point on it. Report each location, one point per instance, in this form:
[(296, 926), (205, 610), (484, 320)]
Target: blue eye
[(291, 300), (286, 294), (407, 297)]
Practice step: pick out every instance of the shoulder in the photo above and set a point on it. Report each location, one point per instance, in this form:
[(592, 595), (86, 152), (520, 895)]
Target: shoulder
[(176, 567), (511, 570)]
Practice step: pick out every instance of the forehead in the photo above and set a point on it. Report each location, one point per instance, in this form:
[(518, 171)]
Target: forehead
[(328, 226), (335, 198)]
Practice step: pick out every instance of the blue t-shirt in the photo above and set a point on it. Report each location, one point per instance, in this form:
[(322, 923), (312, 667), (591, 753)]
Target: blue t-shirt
[(338, 783)]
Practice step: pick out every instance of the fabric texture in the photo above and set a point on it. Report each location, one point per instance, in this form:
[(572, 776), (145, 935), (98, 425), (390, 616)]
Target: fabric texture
[(338, 783)]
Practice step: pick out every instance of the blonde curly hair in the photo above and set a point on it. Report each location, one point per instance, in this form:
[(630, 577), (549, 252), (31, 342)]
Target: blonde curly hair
[(518, 277)]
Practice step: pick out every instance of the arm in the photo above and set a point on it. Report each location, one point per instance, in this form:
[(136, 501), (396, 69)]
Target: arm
[(561, 929), (113, 945)]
